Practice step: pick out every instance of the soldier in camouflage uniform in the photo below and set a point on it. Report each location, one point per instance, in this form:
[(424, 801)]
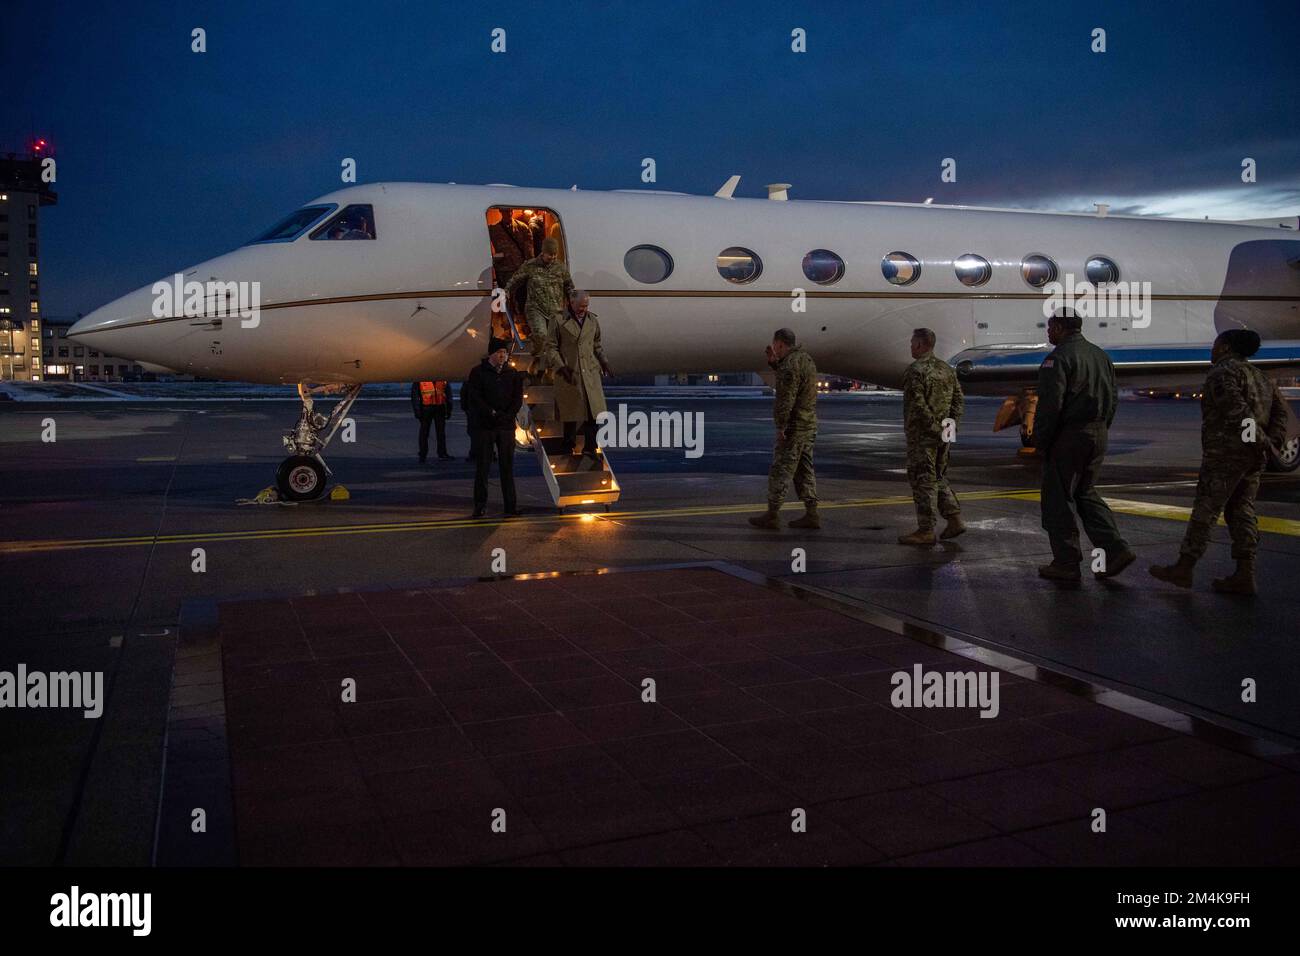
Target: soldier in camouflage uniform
[(931, 396), (1240, 411), (795, 413), (549, 286), (1077, 397)]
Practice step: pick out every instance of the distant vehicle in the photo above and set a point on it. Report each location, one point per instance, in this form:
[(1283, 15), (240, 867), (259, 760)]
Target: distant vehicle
[(394, 282)]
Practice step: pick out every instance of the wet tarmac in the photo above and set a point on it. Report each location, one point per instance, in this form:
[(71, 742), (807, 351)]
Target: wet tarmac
[(100, 530)]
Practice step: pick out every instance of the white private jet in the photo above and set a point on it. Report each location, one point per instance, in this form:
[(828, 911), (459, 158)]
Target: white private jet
[(393, 282)]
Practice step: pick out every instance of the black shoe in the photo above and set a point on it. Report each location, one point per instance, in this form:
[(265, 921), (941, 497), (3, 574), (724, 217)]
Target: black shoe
[(420, 460), (1116, 564), (444, 457), (478, 513), (515, 513), (1060, 572)]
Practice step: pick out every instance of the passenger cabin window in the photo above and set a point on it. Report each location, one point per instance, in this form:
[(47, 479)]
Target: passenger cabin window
[(1101, 270), (648, 264), (1038, 270), (351, 222), (900, 268), (739, 265), (823, 267), (295, 224), (972, 270)]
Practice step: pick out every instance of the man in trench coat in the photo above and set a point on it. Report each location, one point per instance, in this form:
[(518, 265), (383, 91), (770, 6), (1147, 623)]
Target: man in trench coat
[(575, 342)]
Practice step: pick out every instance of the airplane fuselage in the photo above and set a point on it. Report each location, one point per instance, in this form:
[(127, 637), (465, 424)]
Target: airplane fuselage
[(415, 301)]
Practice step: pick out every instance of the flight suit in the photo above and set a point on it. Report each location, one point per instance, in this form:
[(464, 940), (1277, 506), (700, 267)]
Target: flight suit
[(795, 413), (931, 394), (1231, 466), (548, 288), (1077, 398)]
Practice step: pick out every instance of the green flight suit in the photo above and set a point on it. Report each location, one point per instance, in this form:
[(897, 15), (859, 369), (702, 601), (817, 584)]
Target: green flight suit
[(1077, 397)]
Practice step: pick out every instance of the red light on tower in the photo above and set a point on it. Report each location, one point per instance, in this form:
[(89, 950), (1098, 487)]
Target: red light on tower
[(38, 145)]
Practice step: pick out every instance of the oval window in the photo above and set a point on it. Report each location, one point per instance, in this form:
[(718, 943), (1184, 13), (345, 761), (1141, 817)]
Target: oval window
[(648, 264), (823, 267), (1038, 270), (737, 264), (900, 268), (972, 270), (1101, 270)]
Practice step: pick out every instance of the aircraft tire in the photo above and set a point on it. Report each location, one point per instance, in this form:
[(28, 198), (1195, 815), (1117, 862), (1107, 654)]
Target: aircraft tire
[(300, 478)]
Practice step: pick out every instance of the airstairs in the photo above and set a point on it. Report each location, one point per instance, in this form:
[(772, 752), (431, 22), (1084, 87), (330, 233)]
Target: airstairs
[(585, 479)]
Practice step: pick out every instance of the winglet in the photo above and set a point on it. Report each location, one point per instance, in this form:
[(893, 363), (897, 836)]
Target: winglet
[(728, 188)]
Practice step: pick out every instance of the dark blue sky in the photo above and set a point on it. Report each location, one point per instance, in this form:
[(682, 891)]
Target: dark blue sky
[(167, 157)]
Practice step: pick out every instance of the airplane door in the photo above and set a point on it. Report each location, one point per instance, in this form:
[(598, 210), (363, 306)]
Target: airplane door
[(515, 235)]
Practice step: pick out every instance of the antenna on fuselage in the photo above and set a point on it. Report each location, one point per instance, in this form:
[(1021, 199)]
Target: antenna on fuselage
[(728, 188)]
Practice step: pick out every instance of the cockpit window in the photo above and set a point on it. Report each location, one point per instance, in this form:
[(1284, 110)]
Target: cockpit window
[(296, 223), (352, 222)]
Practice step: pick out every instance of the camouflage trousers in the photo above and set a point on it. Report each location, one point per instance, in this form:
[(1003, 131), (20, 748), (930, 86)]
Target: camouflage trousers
[(1225, 486), (541, 325), (792, 460), (927, 473)]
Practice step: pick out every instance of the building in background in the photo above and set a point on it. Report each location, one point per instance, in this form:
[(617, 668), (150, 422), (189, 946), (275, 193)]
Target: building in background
[(66, 360), (22, 194)]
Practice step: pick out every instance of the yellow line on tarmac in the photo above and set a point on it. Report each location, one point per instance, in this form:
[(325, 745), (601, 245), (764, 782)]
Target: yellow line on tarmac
[(1150, 509), (1124, 506), (431, 524)]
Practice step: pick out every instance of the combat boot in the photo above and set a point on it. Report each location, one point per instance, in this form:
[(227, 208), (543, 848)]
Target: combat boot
[(1179, 574), (1241, 581), (1117, 564), (1060, 572), (954, 527), (810, 518), (768, 519), (921, 536)]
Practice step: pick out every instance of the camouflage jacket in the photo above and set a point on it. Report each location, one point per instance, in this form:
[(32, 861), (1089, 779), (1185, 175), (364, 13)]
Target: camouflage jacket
[(1235, 391), (795, 410), (930, 394), (1076, 388), (548, 286)]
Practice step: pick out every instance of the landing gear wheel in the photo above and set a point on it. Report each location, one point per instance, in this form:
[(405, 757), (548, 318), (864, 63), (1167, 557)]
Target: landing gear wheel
[(1286, 458), (300, 478), (1026, 439)]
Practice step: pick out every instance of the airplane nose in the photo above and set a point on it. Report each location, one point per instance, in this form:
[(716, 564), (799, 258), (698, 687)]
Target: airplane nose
[(119, 328)]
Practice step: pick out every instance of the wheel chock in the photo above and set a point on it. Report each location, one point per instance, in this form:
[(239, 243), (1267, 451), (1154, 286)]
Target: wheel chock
[(267, 496), (339, 493)]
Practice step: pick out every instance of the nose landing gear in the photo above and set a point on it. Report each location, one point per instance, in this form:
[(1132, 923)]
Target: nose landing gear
[(303, 475)]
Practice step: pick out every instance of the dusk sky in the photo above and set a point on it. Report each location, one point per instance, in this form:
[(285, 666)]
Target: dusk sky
[(167, 157)]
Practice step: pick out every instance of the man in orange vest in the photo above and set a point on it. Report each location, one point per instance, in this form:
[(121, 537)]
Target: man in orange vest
[(431, 403)]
